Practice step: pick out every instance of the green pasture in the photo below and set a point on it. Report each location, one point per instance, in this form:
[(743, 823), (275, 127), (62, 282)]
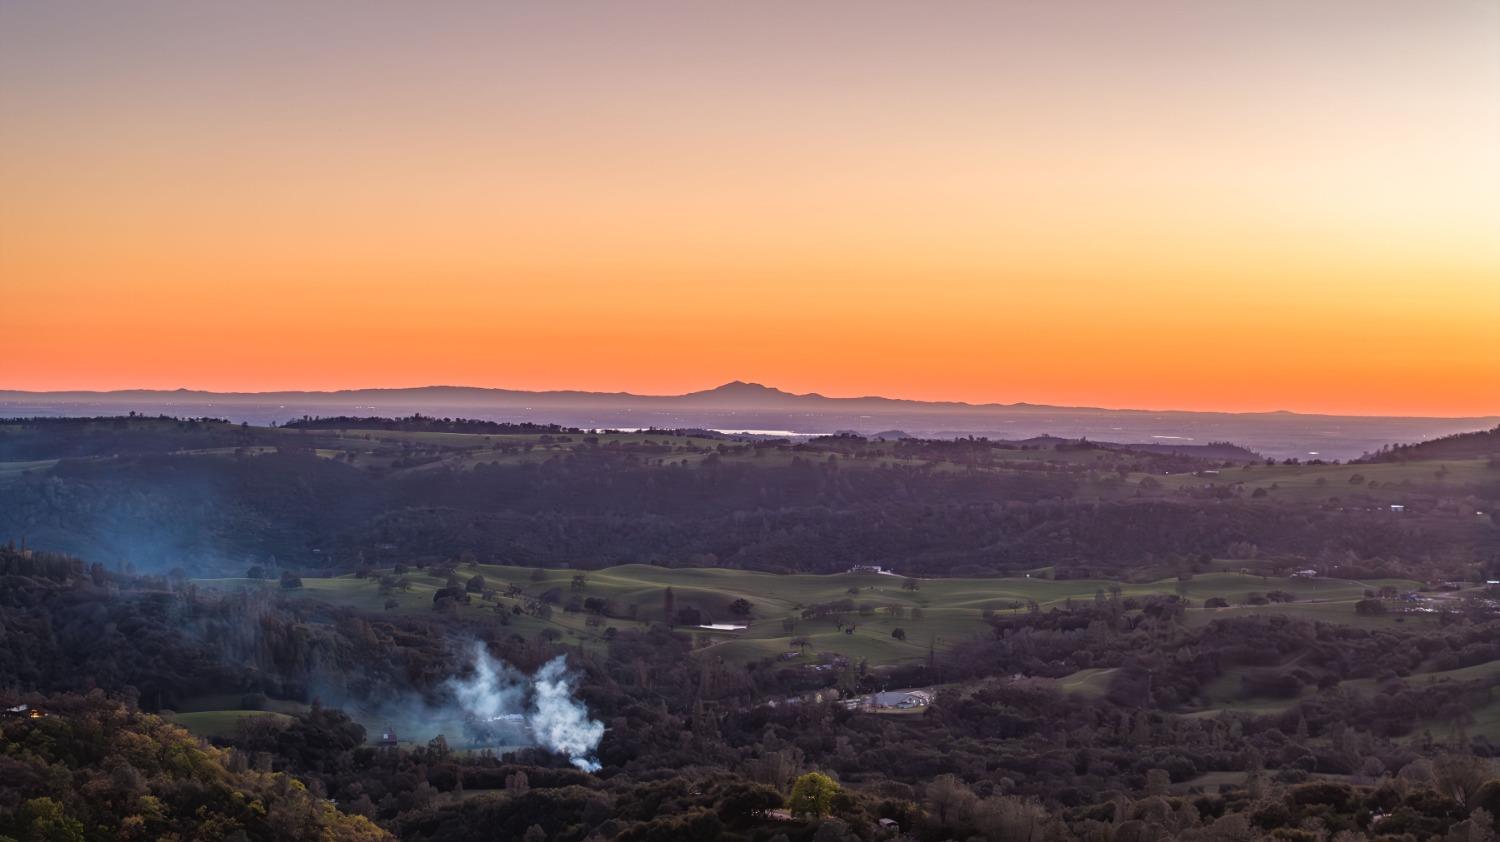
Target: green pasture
[(1088, 682), (1217, 781), (220, 723), (952, 610), (1489, 671), (1391, 480)]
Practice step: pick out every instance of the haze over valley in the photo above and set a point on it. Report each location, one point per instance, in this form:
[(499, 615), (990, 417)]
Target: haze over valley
[(740, 407)]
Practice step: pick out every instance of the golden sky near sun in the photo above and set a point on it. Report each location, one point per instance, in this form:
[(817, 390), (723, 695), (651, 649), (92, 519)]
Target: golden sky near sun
[(1203, 205)]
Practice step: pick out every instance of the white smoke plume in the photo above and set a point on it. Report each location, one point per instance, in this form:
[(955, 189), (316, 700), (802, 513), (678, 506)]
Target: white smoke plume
[(495, 689), (557, 721)]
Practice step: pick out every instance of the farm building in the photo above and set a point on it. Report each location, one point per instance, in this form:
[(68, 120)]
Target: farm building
[(25, 712)]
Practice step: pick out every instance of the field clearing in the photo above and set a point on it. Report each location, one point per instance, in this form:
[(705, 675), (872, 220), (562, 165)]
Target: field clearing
[(1216, 781), (1090, 682), (15, 469), (1302, 481), (1226, 693), (1485, 723), (220, 723), (1339, 611), (1489, 671), (1210, 782)]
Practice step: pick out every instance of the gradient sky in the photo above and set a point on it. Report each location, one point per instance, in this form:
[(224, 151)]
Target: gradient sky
[(1200, 205)]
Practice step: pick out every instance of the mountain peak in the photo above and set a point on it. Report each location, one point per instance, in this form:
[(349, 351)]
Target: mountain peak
[(741, 393), (741, 387)]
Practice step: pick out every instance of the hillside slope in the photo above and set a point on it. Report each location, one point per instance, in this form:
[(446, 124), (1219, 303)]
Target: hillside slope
[(93, 769), (1459, 446)]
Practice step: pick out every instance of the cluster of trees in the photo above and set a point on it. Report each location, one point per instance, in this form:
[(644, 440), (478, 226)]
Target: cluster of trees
[(1458, 446), (29, 439), (92, 768)]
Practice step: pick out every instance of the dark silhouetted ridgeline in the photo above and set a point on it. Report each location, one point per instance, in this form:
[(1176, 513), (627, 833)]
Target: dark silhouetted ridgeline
[(1484, 443)]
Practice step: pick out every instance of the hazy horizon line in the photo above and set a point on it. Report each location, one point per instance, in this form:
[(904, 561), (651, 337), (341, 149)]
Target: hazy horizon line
[(728, 384)]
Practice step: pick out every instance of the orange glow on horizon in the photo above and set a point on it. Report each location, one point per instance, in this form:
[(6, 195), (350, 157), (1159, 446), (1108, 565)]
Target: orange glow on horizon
[(1169, 207)]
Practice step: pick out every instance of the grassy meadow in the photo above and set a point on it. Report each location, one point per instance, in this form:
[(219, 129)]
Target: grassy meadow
[(219, 723), (1383, 481), (937, 614)]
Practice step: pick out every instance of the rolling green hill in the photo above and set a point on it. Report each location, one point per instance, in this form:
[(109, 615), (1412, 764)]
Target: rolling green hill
[(937, 613)]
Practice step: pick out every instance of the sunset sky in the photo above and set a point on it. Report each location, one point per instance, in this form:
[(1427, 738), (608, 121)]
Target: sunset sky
[(1196, 205)]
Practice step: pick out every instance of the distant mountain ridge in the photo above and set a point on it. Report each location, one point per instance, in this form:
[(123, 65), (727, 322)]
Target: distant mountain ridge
[(734, 394)]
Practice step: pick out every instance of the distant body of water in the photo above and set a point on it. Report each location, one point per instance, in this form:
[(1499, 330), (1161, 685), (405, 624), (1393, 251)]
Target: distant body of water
[(776, 433)]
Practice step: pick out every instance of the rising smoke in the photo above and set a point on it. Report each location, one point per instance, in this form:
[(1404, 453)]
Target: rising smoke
[(544, 701), (493, 691), (559, 721)]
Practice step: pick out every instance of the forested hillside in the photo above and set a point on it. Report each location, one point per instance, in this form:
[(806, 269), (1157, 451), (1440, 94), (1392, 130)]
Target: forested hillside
[(1484, 443), (91, 768), (208, 497)]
